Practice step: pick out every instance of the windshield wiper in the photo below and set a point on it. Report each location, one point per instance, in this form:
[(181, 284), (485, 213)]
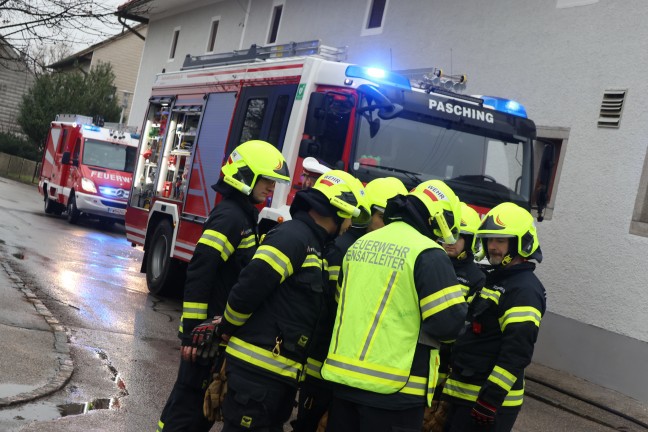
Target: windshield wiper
[(414, 176)]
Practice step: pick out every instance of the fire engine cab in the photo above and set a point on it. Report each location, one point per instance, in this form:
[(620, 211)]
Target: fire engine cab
[(87, 169), (303, 99)]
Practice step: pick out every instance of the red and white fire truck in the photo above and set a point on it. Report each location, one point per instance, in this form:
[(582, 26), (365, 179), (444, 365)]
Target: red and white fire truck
[(87, 169), (301, 98)]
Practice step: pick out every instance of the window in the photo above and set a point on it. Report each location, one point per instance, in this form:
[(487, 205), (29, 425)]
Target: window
[(274, 23), (548, 164), (376, 14), (55, 135), (213, 31), (374, 17), (77, 150), (253, 122), (278, 120), (174, 43)]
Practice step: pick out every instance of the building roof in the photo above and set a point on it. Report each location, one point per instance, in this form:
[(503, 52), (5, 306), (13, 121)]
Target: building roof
[(85, 55), (141, 10)]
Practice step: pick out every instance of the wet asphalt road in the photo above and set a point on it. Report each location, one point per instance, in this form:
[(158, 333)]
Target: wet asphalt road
[(123, 341)]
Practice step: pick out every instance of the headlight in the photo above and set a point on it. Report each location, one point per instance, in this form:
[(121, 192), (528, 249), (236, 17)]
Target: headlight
[(88, 185)]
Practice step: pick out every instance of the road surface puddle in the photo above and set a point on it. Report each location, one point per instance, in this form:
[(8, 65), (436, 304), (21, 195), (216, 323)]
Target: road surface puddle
[(42, 411)]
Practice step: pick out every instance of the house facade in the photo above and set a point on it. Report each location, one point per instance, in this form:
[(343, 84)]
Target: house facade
[(15, 81), (576, 65), (123, 52)]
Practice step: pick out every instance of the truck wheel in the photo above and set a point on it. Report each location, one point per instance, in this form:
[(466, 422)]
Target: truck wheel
[(49, 204), (164, 275), (73, 212)]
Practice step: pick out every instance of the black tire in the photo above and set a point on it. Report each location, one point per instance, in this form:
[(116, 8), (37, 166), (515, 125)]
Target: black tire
[(48, 204), (164, 275), (73, 212)]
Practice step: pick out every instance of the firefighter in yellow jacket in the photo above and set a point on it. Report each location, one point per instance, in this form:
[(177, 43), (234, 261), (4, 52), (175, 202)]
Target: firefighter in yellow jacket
[(399, 298), (273, 310), (486, 385)]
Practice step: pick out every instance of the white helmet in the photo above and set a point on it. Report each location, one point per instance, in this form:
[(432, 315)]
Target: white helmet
[(311, 165)]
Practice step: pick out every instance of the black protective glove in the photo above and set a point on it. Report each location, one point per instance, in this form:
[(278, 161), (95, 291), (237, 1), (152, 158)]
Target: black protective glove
[(204, 338), (483, 413)]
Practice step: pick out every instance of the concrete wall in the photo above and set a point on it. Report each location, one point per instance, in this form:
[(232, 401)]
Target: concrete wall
[(557, 62)]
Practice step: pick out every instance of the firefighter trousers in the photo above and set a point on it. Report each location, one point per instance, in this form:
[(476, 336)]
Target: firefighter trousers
[(255, 402), (460, 420), (314, 400), (346, 416), (184, 407)]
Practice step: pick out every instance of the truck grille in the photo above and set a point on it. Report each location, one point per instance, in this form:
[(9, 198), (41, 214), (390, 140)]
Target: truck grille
[(117, 193)]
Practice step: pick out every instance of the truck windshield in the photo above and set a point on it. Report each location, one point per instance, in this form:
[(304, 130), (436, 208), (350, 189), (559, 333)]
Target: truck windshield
[(482, 168), (108, 155)]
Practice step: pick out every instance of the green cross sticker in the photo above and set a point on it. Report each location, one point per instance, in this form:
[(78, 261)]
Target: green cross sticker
[(300, 91)]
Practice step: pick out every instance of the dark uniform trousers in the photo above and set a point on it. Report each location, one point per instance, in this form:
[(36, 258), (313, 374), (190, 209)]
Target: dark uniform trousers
[(209, 279), (256, 402), (459, 420), (314, 401), (180, 412), (346, 416)]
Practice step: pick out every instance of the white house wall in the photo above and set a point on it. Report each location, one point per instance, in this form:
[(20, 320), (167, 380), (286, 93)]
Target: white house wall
[(194, 26), (557, 62), (124, 55)]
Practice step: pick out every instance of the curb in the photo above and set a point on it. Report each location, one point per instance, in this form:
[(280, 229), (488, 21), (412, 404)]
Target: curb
[(61, 346)]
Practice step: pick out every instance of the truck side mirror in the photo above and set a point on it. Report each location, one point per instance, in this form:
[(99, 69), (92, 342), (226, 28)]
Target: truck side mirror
[(65, 160), (316, 114)]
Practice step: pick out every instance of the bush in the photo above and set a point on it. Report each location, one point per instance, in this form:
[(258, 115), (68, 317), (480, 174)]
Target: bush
[(16, 145)]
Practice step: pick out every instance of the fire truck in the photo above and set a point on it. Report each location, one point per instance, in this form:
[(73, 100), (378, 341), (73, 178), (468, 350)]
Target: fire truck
[(305, 100), (87, 169)]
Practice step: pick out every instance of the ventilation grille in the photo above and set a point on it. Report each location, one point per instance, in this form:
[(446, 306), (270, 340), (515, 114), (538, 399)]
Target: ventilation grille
[(611, 108)]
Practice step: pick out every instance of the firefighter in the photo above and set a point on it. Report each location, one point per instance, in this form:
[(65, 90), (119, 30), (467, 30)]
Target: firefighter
[(315, 394), (486, 385), (272, 311), (469, 275), (228, 242), (399, 298), (471, 278), (311, 171)]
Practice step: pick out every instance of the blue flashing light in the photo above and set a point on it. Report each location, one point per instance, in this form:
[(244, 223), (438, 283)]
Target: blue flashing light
[(505, 105), (92, 128), (379, 76)]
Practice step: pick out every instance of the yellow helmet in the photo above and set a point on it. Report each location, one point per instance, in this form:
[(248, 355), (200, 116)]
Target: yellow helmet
[(510, 220), (252, 159), (470, 220), (381, 189), (443, 206), (346, 194)]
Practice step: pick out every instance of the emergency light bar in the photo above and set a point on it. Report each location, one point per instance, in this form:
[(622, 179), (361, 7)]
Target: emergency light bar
[(504, 105), (379, 76), (92, 128)]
